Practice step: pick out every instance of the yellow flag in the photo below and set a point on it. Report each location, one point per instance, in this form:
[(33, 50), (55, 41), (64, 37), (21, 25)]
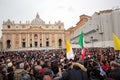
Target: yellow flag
[(69, 51), (116, 42)]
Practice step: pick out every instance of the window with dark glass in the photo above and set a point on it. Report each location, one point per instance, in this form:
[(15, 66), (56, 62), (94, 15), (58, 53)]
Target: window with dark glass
[(60, 42), (23, 44), (59, 27), (47, 38), (8, 26), (8, 44), (47, 43), (40, 44), (35, 44), (30, 45)]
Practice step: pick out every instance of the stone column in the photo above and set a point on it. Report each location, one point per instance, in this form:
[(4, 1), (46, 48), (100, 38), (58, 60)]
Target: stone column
[(63, 40), (33, 40), (13, 41), (56, 40), (43, 40), (50, 40), (20, 41), (4, 44), (38, 40), (28, 40)]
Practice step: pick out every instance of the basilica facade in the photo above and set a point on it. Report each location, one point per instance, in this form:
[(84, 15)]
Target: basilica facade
[(34, 34)]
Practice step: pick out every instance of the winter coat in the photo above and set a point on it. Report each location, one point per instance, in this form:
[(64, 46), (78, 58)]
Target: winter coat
[(77, 74), (25, 75)]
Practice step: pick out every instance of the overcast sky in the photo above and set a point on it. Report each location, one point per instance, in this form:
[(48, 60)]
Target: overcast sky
[(68, 11)]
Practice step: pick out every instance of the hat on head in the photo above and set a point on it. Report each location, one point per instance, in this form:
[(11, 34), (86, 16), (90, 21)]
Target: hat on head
[(8, 60), (10, 64)]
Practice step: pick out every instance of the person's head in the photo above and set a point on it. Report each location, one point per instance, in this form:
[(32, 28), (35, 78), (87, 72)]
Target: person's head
[(47, 77), (21, 65), (10, 64), (70, 65), (44, 65), (2, 68), (27, 68), (8, 60), (104, 62), (48, 63), (113, 65), (38, 62)]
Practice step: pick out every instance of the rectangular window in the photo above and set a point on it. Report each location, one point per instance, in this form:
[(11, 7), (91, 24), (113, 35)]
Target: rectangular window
[(40, 44), (47, 44), (35, 44), (30, 45), (23, 44)]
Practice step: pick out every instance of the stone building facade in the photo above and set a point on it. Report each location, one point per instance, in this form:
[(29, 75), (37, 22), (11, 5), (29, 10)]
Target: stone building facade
[(99, 29), (70, 33), (36, 34)]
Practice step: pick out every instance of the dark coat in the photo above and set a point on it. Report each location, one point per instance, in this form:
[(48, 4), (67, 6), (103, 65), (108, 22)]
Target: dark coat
[(11, 73), (77, 74), (115, 74)]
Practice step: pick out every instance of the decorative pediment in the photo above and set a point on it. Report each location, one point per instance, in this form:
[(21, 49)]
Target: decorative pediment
[(35, 29), (8, 22)]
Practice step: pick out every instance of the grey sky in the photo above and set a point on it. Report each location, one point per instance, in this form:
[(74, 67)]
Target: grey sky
[(68, 11)]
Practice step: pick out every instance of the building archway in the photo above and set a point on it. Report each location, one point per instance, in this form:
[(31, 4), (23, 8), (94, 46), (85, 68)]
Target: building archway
[(36, 44), (23, 44), (8, 44), (60, 42), (47, 43)]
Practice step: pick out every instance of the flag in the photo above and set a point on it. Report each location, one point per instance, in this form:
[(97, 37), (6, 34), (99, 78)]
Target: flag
[(81, 41), (116, 42), (69, 51), (83, 52), (102, 72)]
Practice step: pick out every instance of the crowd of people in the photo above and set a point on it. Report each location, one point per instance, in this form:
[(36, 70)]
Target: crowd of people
[(99, 64)]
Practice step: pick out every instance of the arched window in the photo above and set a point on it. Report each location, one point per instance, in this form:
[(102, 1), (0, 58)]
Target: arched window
[(8, 44), (8, 26), (60, 42), (35, 36)]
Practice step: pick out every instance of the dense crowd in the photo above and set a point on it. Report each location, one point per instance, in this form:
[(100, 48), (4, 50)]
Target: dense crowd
[(99, 64)]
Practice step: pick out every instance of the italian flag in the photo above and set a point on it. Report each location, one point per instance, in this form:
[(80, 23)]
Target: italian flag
[(81, 40), (81, 43)]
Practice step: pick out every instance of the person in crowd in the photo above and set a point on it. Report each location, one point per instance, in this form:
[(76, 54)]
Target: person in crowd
[(58, 75), (25, 75), (115, 71), (3, 73), (31, 73), (10, 71), (105, 66), (77, 71), (53, 63)]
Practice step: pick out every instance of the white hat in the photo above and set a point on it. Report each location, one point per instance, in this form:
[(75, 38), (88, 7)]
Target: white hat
[(10, 64), (8, 60)]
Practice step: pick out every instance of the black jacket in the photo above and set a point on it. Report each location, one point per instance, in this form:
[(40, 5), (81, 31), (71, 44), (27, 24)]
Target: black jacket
[(77, 74)]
